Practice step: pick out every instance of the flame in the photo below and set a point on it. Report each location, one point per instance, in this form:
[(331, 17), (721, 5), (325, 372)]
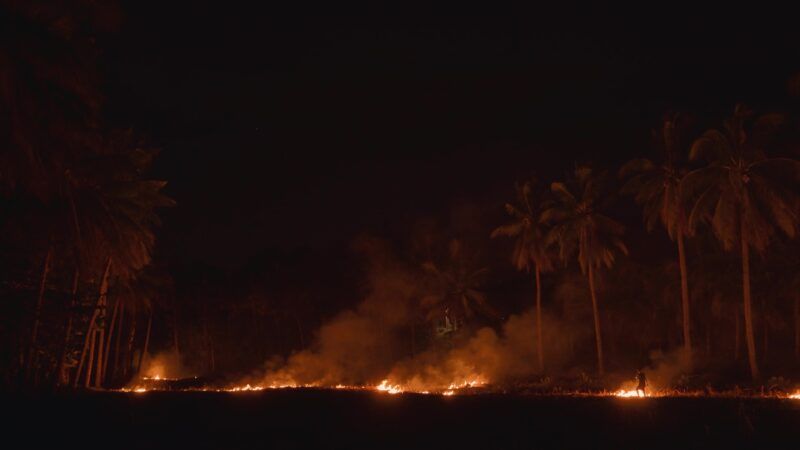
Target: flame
[(390, 388), (385, 386), (795, 396), (628, 394)]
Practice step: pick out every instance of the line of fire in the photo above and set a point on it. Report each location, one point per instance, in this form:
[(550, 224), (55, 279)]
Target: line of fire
[(241, 227)]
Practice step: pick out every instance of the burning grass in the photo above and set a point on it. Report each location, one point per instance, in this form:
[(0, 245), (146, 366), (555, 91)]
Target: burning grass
[(463, 387)]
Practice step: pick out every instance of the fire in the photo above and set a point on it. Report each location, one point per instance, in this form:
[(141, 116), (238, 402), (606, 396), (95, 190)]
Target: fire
[(246, 387), (634, 393), (795, 396), (390, 388), (385, 386)]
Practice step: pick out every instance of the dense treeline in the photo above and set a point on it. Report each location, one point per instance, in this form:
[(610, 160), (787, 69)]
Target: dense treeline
[(79, 213), (713, 270)]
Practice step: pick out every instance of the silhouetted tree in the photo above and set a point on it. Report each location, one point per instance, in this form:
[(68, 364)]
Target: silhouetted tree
[(530, 247), (743, 194), (580, 228), (657, 187)]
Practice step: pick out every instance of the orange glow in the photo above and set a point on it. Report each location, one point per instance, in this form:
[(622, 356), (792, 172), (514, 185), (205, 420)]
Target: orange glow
[(390, 388), (628, 394), (385, 386)]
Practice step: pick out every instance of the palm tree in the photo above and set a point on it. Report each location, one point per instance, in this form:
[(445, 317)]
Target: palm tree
[(530, 249), (114, 210), (743, 195), (657, 188), (456, 287), (579, 226)]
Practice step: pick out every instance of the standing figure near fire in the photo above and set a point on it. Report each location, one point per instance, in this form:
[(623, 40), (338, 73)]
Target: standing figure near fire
[(642, 383)]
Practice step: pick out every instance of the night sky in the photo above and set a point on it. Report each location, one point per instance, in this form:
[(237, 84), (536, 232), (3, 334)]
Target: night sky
[(282, 131)]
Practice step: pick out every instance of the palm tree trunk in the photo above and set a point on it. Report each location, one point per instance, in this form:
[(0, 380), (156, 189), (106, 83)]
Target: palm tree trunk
[(38, 312), (129, 352), (146, 341), (748, 312), (687, 336), (539, 346), (597, 334), (102, 303), (111, 326), (120, 329), (87, 346), (88, 343), (89, 365), (63, 378), (98, 379)]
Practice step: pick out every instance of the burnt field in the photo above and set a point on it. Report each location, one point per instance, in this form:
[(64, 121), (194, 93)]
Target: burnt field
[(308, 418)]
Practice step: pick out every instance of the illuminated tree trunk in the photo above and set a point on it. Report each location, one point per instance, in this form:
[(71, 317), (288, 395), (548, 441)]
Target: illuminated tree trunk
[(120, 329), (62, 376), (37, 313), (597, 334), (103, 302), (91, 358), (89, 342), (87, 346), (539, 346), (111, 326), (687, 336), (129, 353), (98, 379), (748, 312), (146, 342)]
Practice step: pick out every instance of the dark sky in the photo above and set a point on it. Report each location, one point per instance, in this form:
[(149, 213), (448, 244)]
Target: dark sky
[(281, 131)]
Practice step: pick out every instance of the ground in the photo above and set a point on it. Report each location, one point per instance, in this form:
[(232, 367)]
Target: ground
[(345, 419)]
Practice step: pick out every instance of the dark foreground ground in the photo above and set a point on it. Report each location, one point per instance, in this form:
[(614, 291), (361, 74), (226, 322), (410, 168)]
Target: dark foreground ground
[(344, 419)]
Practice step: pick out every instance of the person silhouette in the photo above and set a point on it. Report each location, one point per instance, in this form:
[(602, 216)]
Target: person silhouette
[(642, 383)]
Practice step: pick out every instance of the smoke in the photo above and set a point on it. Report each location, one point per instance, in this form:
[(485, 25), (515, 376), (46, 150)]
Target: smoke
[(358, 346), (373, 341), (165, 364), (666, 368)]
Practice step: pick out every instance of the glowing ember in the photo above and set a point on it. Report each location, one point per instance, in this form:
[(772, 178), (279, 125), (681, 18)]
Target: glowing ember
[(246, 387), (795, 396)]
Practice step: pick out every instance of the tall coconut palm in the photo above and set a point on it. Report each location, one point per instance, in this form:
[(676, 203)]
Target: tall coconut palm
[(456, 286), (530, 249), (114, 210), (744, 195), (656, 187), (581, 229)]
